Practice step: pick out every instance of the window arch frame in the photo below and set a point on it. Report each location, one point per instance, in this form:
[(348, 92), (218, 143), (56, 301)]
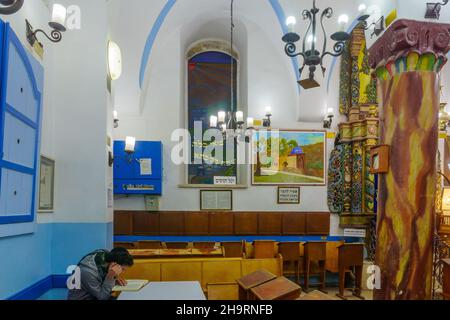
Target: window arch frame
[(196, 48)]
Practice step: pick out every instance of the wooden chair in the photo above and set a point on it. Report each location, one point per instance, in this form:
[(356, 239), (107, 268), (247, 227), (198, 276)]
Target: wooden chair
[(315, 251), (126, 245), (290, 251), (234, 249), (177, 245), (204, 245), (147, 244), (264, 249), (351, 259)]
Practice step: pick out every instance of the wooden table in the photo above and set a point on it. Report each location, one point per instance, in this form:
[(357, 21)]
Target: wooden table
[(176, 253), (252, 280), (316, 295), (278, 289), (179, 291)]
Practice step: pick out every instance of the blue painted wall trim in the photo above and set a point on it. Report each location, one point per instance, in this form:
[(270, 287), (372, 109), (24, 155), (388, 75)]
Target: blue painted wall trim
[(275, 4), (282, 20), (235, 238), (34, 291), (151, 38)]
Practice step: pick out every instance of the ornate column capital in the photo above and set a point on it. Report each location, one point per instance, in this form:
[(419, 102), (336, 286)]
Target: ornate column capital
[(410, 45)]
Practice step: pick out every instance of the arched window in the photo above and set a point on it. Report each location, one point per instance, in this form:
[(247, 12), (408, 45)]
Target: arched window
[(211, 74)]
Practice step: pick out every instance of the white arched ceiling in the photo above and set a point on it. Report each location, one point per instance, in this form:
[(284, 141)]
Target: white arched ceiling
[(185, 20)]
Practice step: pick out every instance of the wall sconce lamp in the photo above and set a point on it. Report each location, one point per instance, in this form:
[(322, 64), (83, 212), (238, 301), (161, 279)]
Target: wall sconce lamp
[(130, 145), (114, 61), (378, 26), (328, 121), (57, 24), (267, 122), (434, 9), (116, 119), (10, 6)]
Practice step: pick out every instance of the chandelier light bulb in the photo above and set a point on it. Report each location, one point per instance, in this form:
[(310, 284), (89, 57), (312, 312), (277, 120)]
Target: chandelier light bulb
[(213, 122), (222, 116), (343, 21), (291, 22), (362, 8), (311, 38)]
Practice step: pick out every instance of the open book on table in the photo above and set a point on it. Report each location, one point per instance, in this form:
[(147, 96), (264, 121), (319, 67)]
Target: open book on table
[(133, 285)]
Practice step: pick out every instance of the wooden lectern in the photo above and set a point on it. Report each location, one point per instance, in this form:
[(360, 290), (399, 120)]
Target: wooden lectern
[(350, 256), (446, 279), (252, 280), (315, 251), (278, 289)]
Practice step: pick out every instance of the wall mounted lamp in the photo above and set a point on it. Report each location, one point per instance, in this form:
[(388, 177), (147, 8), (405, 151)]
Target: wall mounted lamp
[(434, 9), (378, 26), (10, 6), (130, 145), (267, 122), (57, 24), (116, 119), (328, 121), (114, 61)]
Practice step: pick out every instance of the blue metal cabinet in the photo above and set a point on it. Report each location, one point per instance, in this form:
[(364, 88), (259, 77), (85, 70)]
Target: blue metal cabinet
[(20, 106), (139, 172)]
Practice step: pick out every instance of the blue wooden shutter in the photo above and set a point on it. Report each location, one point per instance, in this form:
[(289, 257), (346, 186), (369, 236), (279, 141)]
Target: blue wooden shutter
[(20, 107)]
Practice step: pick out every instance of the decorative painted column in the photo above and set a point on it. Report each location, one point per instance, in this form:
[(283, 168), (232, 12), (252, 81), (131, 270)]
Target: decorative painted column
[(407, 59)]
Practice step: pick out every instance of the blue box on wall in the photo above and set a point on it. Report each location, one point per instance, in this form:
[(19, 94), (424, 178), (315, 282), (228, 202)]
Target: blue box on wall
[(139, 172)]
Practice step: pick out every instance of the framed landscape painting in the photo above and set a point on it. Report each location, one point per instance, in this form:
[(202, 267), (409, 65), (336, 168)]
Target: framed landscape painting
[(289, 157)]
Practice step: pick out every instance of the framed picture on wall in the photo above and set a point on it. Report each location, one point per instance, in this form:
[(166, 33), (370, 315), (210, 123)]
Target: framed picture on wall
[(216, 200), (288, 195), (46, 185), (289, 158)]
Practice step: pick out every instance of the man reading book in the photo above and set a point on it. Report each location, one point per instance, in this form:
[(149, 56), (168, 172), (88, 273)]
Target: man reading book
[(99, 273)]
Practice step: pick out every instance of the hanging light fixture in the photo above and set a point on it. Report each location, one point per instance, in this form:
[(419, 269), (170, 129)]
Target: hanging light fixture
[(10, 6), (311, 56), (233, 121)]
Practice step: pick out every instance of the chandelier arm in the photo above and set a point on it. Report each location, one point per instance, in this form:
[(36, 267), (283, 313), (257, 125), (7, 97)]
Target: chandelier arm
[(338, 49), (328, 13), (55, 35), (307, 16), (12, 8), (290, 49)]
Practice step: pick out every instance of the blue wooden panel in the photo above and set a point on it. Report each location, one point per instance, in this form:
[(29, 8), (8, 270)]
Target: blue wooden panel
[(16, 195), (19, 142), (127, 168), (19, 92), (20, 114)]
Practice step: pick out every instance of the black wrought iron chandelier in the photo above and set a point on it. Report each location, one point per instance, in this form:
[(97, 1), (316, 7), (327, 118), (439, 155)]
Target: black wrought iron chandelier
[(311, 56), (10, 6)]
